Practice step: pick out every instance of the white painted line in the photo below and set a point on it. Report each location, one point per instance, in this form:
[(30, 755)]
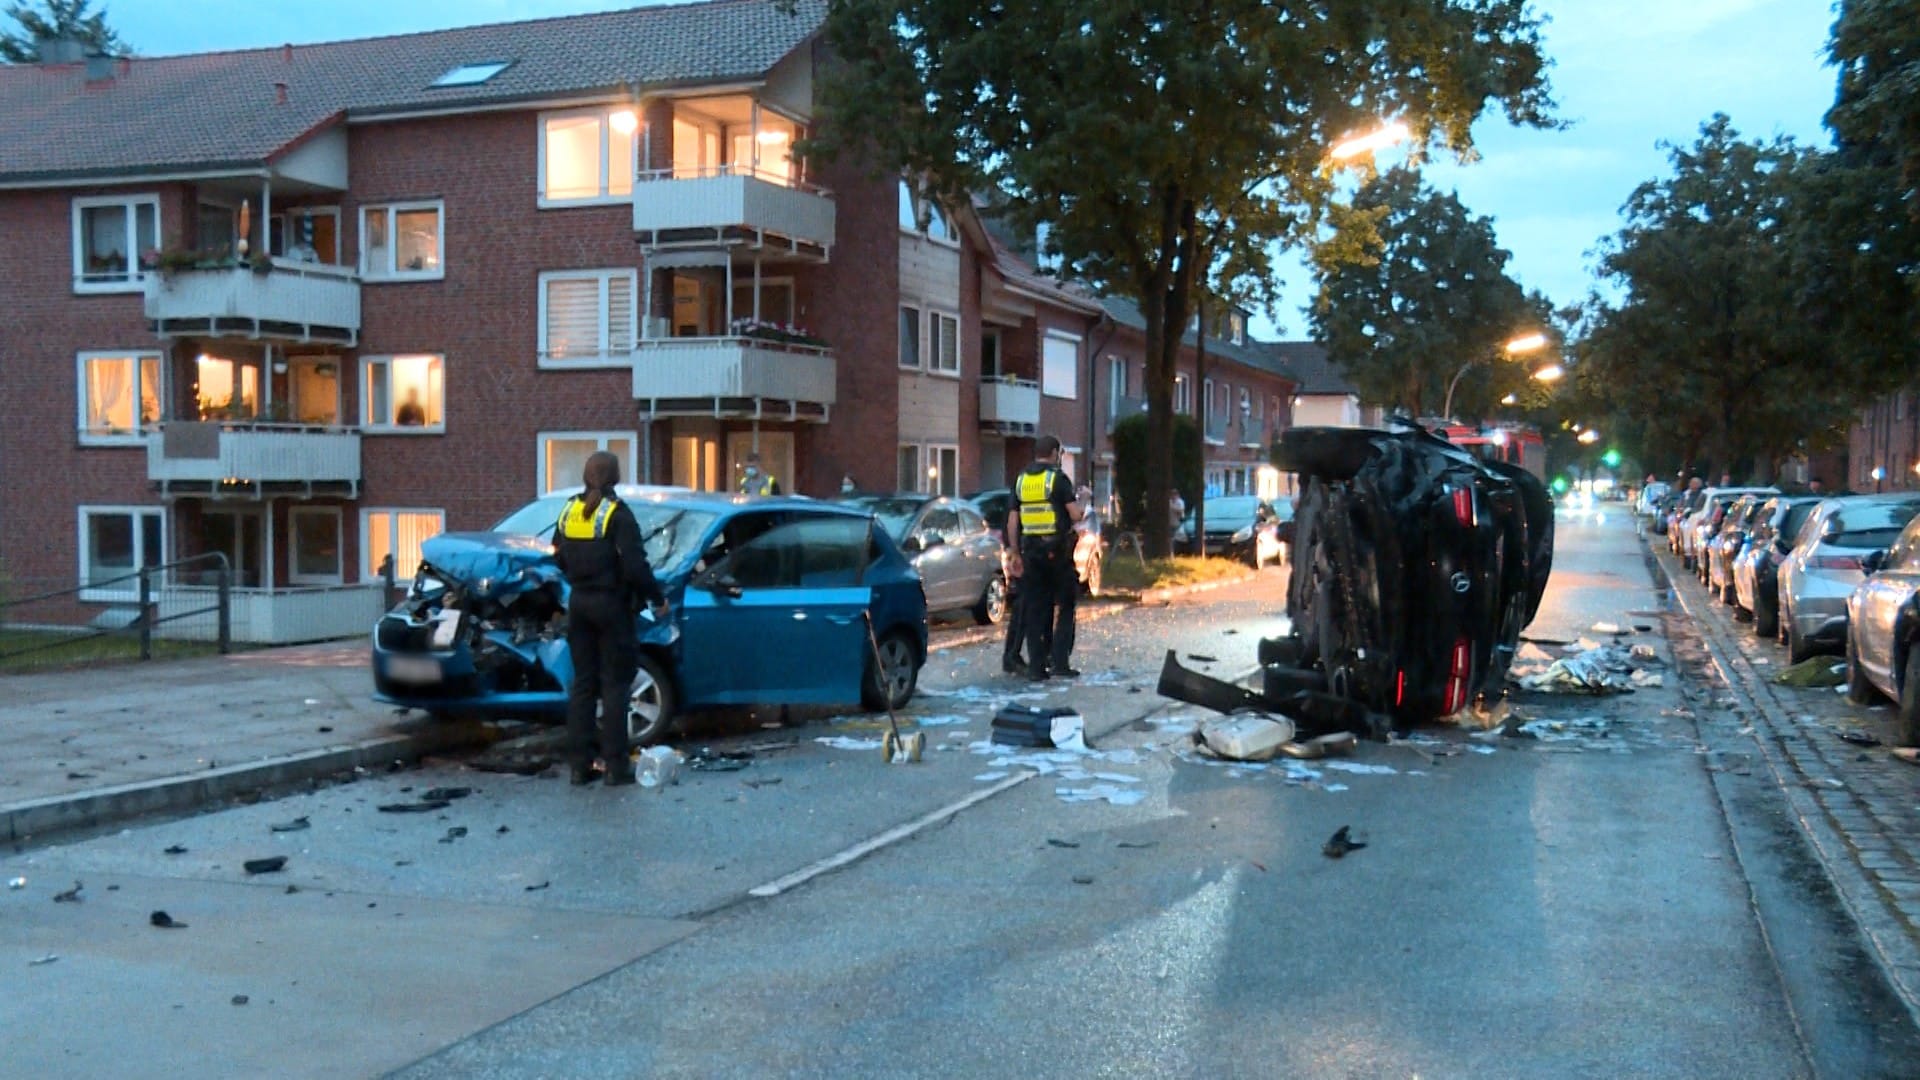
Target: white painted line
[(891, 836)]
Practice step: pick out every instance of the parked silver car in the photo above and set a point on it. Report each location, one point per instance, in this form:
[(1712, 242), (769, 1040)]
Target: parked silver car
[(1726, 543), (1700, 526), (1883, 625), (948, 542), (1824, 569), (1756, 570)]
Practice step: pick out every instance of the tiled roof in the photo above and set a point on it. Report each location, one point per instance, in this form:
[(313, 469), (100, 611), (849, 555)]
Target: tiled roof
[(1316, 373), (1253, 354), (1017, 272), (212, 110)]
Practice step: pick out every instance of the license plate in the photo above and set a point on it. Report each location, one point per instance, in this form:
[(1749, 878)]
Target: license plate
[(413, 669)]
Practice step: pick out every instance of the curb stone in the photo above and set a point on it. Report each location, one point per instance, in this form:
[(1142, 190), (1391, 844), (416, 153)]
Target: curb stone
[(38, 819)]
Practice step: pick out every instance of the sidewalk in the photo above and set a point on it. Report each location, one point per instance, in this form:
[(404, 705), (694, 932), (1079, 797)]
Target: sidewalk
[(1856, 805), (86, 747)]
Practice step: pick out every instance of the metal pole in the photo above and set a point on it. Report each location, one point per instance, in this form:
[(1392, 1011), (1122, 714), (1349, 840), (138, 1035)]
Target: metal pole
[(1446, 410), (146, 615), (224, 615)]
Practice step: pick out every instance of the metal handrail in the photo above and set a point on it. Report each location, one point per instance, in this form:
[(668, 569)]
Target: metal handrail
[(222, 607)]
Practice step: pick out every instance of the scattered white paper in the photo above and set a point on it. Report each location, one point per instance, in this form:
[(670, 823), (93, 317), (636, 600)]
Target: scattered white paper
[(1360, 767), (988, 777), (1111, 793), (1481, 749), (841, 742), (1333, 787)]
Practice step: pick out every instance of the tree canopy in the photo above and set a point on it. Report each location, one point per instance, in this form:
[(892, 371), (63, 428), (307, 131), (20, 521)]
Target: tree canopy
[(1168, 146), (1429, 297), (51, 20)]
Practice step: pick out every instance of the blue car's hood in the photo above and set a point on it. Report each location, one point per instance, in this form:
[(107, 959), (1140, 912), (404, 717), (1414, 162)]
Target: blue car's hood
[(492, 566)]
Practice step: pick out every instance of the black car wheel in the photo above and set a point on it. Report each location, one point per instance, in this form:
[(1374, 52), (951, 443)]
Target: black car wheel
[(649, 704), (1909, 715), (992, 608), (1766, 614), (1859, 690), (891, 682)]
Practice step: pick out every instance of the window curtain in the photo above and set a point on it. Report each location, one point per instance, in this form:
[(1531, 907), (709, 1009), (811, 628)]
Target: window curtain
[(110, 396)]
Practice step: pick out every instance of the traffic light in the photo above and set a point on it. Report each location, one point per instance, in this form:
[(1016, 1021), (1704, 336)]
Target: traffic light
[(1612, 458)]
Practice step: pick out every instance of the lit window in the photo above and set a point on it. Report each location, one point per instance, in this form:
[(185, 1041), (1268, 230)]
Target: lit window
[(943, 343), (402, 241), (473, 74), (110, 238), (116, 542), (587, 318), (396, 535), (943, 471), (119, 396), (404, 393), (909, 337), (563, 456), (587, 156), (1060, 366)]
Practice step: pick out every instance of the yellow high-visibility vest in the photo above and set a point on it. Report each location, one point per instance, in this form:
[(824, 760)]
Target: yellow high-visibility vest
[(1037, 514), (575, 524)]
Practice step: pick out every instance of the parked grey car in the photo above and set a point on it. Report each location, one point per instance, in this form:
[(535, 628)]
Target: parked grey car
[(1824, 569), (1883, 625), (949, 543), (1756, 571)]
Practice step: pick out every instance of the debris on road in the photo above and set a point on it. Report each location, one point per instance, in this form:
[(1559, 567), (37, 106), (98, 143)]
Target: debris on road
[(295, 825), (842, 742), (446, 794), (47, 959), (272, 865), (706, 759), (660, 766), (1082, 879), (240, 999), (1341, 843), (424, 806), (16, 884), (1648, 680), (71, 896), (174, 849), (1024, 725), (1136, 845), (165, 921), (453, 834), (1201, 659), (1247, 736), (1607, 628), (1858, 738), (1817, 672), (1592, 669), (1112, 793), (537, 888), (1053, 842)]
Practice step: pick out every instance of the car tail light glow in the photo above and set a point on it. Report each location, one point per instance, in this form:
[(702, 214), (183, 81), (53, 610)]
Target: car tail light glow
[(1457, 679), (1400, 688), (1463, 506), (1833, 562)]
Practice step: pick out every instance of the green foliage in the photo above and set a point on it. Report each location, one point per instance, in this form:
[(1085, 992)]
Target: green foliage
[(1167, 147), (1876, 46), (1130, 467), (53, 19), (1429, 297)]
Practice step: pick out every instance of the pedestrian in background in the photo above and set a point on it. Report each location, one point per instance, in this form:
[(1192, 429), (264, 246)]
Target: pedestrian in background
[(598, 547), (1040, 533)]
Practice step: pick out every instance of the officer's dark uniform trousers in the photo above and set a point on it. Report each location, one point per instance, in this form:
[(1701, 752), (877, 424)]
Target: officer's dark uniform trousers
[(1048, 586), (601, 638)]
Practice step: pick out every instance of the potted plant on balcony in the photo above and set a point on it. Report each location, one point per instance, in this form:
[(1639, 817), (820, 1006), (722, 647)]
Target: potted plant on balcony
[(781, 333)]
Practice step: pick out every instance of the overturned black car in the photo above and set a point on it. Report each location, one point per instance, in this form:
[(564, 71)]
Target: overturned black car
[(1415, 567)]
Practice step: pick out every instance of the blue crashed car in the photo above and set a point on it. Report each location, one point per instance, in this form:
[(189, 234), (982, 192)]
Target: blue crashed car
[(771, 599)]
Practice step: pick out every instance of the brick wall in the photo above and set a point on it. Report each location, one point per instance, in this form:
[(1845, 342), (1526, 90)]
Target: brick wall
[(857, 302)]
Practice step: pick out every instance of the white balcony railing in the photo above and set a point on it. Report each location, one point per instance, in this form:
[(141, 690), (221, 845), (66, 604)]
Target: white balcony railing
[(250, 453), (295, 301), (671, 202), (276, 616), (1009, 404), (730, 375)]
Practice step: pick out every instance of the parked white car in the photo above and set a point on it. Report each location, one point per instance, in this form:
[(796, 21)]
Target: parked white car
[(1650, 497), (1698, 526), (1819, 577), (1883, 628)]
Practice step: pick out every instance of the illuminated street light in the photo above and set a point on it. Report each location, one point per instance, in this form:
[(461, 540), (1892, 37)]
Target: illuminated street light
[(1368, 143), (1550, 373), (1526, 343), (1590, 436), (1510, 400)]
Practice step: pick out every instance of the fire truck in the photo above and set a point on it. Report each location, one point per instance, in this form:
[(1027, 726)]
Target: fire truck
[(1515, 444)]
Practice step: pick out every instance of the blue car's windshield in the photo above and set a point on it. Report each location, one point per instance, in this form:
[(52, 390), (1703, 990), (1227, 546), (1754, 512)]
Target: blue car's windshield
[(895, 512), (672, 533)]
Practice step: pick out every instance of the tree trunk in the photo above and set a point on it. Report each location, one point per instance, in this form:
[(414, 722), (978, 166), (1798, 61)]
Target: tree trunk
[(1206, 412)]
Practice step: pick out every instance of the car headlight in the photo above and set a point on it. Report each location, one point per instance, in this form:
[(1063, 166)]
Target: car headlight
[(1243, 535)]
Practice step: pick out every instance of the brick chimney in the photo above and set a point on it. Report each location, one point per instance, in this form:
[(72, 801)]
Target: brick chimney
[(64, 50), (100, 68), (286, 53), (279, 93)]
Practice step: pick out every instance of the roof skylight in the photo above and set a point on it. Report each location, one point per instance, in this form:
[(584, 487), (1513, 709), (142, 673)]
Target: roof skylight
[(473, 74)]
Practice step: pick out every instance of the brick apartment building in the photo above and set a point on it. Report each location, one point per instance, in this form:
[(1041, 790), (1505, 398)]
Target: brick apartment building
[(488, 253)]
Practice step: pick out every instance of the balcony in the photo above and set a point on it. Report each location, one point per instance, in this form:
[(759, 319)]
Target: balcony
[(1217, 429), (249, 459), (1010, 406), (294, 301), (1121, 408), (734, 377), (728, 205)]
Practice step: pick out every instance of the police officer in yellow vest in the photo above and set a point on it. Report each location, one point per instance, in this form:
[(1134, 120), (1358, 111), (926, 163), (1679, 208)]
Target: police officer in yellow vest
[(754, 482), (1040, 533), (598, 546)]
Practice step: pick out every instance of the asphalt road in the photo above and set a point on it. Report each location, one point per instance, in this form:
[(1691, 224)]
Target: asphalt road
[(1573, 905)]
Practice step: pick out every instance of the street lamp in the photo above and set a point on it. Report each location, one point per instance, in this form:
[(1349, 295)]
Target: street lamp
[(1522, 344), (1366, 144), (1550, 373), (1590, 436)]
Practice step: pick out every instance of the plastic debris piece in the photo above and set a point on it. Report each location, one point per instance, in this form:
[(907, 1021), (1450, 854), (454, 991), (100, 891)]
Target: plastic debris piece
[(1068, 732), (175, 849), (1594, 669), (47, 959), (1082, 879), (1053, 842), (841, 742), (1334, 787), (165, 921), (660, 767), (1341, 843), (1648, 680), (295, 825), (272, 865), (447, 793), (1643, 654), (70, 896), (1199, 658), (1247, 736), (425, 806), (987, 777), (17, 884), (453, 834), (1137, 845), (1482, 749), (706, 759), (1858, 738), (1361, 768), (1607, 628), (1817, 672), (1112, 793), (240, 999), (537, 888)]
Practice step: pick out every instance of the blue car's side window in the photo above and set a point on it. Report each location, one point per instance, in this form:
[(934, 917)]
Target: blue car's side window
[(820, 552)]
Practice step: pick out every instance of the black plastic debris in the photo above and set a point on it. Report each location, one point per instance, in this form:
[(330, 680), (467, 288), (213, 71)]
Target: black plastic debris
[(326, 729), (165, 921), (502, 830), (765, 781), (425, 806), (706, 759), (71, 896), (1083, 879), (1341, 843), (1858, 738), (1062, 843), (270, 865), (1200, 658), (1137, 845), (291, 889), (295, 825), (446, 794), (1024, 725), (537, 888), (453, 834), (240, 999), (175, 849), (79, 776), (47, 959)]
